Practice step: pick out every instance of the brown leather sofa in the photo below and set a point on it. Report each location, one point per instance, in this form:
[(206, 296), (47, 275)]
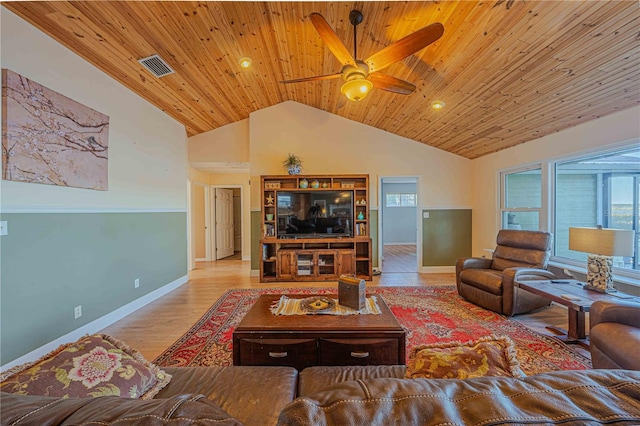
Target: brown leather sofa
[(519, 255), (615, 335), (228, 396), (351, 396), (375, 395)]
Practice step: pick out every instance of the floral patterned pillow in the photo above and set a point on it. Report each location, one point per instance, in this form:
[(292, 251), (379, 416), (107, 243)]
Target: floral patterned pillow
[(96, 365), (487, 356)]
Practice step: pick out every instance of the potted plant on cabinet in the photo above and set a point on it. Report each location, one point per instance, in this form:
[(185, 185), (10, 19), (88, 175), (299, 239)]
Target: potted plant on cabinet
[(292, 164)]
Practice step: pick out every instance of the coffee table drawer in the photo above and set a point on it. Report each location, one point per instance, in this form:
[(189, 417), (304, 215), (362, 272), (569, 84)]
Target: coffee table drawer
[(298, 353), (383, 351)]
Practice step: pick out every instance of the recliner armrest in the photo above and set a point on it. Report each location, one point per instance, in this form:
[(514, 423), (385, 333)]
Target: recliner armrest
[(511, 275), (621, 312), (531, 274), (474, 263), (470, 263)]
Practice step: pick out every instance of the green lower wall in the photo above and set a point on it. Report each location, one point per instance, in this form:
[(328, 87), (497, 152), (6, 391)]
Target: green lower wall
[(446, 236), (52, 262)]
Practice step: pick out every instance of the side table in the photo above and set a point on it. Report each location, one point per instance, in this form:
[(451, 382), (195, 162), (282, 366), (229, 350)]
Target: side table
[(577, 299)]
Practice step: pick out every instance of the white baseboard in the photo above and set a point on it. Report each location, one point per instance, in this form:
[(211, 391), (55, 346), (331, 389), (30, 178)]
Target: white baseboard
[(98, 324), (437, 269), (254, 273)]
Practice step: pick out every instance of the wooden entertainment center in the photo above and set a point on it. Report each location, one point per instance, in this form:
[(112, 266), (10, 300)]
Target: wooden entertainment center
[(315, 227)]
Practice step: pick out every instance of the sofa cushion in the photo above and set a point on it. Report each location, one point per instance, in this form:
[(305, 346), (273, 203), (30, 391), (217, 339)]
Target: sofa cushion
[(315, 379), (108, 410), (96, 365), (561, 397), (253, 395), (487, 356)]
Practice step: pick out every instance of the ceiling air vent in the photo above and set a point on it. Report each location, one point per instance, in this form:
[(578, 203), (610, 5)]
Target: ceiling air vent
[(156, 65)]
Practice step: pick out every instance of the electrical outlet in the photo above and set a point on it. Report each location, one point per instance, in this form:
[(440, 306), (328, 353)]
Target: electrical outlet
[(77, 311), (136, 283)]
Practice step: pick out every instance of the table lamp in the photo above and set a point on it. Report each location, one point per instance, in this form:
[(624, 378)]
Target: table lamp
[(602, 245)]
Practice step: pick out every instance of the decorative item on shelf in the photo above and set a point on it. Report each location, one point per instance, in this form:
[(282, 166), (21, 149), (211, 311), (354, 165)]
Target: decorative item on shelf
[(293, 164), (602, 245), (347, 184), (272, 185), (304, 183), (325, 185), (363, 202), (269, 200), (269, 216), (315, 183), (360, 216)]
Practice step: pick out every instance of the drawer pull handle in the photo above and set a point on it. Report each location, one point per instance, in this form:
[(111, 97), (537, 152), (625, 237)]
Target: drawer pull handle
[(277, 354), (359, 354)]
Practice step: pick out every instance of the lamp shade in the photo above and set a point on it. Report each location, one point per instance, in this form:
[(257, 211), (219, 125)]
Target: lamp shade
[(603, 241), (356, 89)]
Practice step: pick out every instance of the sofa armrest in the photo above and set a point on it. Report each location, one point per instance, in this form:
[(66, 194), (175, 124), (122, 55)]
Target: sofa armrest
[(619, 312), (48, 410)]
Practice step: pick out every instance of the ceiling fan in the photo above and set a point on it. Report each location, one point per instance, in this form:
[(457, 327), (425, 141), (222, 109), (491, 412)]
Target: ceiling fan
[(361, 76)]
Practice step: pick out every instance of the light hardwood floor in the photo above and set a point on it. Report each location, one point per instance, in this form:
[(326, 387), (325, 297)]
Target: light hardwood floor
[(400, 258), (156, 326)]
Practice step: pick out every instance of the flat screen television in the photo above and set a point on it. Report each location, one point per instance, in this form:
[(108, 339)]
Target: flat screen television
[(314, 214)]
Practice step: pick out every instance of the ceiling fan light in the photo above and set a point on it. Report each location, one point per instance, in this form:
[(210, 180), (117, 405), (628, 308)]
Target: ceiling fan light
[(245, 62), (437, 104), (356, 90)]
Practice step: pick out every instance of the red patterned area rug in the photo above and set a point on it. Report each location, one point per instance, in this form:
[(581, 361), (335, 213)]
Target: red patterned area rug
[(428, 314)]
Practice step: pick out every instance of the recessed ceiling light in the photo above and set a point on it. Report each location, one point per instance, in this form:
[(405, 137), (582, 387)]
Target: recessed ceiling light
[(245, 62), (437, 104)]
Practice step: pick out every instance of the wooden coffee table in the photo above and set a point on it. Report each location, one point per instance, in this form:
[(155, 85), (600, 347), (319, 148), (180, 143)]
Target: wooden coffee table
[(561, 291), (301, 341)]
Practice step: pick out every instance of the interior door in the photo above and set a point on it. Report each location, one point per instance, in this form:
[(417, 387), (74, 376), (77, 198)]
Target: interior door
[(224, 223)]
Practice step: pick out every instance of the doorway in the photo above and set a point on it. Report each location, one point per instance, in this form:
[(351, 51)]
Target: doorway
[(399, 224), (226, 220), (215, 222)]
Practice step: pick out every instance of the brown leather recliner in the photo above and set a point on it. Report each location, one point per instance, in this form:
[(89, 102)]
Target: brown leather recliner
[(520, 255), (615, 334)]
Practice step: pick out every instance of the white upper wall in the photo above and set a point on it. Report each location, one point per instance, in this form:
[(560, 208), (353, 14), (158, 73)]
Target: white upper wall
[(621, 128), (328, 143), (148, 166), (229, 143)]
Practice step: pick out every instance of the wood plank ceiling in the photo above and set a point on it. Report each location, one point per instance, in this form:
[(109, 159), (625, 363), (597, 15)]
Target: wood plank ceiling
[(509, 71)]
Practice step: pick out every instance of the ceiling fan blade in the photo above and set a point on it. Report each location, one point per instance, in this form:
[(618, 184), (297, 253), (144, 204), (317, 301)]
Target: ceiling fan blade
[(391, 84), (314, 78), (405, 46), (332, 41)]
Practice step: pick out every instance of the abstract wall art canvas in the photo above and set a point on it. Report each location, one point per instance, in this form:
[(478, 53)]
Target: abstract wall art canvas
[(50, 139)]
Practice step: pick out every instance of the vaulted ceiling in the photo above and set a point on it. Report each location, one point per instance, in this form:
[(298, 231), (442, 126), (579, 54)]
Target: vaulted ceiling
[(509, 71)]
